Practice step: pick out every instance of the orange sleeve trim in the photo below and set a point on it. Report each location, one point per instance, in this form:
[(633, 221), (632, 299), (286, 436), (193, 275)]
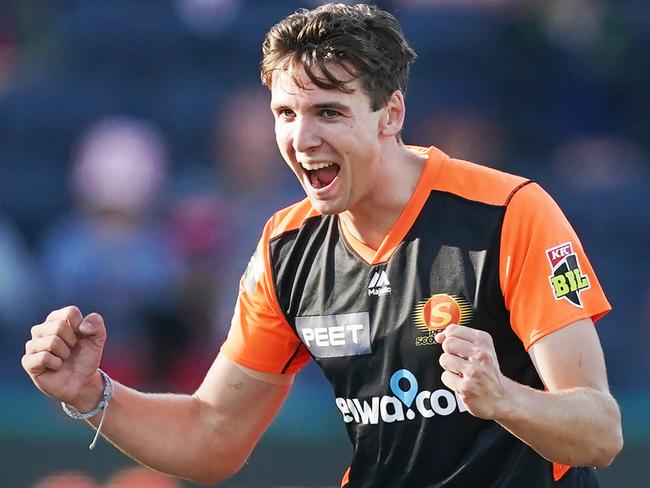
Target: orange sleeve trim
[(235, 357), (535, 336), (292, 217), (292, 366), (559, 470), (346, 478), (287, 367)]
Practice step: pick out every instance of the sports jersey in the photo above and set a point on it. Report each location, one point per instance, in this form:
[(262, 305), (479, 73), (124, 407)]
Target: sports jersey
[(473, 246)]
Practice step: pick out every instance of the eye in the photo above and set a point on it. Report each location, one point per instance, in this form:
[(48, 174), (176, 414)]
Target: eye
[(286, 113), (328, 113)]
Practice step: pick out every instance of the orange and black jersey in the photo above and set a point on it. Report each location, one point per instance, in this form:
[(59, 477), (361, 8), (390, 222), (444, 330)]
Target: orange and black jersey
[(473, 246)]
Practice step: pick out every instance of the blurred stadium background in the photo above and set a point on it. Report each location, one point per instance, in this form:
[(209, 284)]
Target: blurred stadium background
[(137, 166)]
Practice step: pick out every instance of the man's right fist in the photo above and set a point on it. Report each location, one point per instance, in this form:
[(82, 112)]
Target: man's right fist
[(63, 355)]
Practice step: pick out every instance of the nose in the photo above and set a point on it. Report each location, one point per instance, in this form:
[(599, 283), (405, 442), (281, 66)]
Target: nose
[(304, 136)]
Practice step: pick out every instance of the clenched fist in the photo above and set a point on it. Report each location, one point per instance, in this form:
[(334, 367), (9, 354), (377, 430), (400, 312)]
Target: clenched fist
[(63, 355), (471, 369)]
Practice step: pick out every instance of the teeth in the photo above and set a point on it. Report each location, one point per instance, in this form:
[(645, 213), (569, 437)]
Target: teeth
[(315, 166)]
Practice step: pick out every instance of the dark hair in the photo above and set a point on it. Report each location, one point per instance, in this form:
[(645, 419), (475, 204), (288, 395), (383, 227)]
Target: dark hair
[(368, 43)]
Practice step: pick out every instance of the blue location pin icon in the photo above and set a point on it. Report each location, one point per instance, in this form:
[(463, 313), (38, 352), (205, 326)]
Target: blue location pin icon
[(406, 396)]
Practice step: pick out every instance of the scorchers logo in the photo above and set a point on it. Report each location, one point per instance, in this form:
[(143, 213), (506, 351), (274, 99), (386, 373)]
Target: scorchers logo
[(405, 403), (567, 280), (436, 313)]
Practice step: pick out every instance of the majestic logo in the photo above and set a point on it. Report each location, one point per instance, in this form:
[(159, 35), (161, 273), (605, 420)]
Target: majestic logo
[(379, 284), (433, 315), (567, 280), (332, 336), (405, 403)]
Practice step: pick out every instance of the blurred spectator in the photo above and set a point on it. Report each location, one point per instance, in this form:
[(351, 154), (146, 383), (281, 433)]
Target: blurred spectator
[(464, 133), (254, 180), (600, 163), (8, 47), (21, 300), (199, 230), (67, 479), (576, 24), (216, 219), (109, 254), (208, 17)]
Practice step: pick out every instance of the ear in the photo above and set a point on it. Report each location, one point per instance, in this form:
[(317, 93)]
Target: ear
[(392, 117)]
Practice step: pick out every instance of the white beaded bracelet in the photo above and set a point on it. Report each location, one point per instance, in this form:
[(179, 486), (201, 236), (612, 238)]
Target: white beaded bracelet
[(101, 408)]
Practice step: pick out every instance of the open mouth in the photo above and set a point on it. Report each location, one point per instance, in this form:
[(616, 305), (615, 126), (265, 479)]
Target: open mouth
[(320, 175)]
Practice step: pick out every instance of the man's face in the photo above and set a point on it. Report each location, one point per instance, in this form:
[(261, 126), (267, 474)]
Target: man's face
[(330, 139)]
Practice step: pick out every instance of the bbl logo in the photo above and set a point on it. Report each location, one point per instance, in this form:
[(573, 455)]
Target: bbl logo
[(433, 315), (567, 280)]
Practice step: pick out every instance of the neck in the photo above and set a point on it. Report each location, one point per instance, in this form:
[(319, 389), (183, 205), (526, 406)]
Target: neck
[(375, 215)]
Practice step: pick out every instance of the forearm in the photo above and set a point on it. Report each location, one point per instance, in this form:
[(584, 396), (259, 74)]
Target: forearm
[(579, 426), (205, 437), (175, 434)]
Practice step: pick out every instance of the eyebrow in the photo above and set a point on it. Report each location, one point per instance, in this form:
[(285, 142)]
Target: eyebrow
[(335, 105), (318, 106)]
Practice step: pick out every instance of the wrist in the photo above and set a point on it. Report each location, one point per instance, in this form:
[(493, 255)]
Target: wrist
[(101, 408), (91, 395), (509, 406)]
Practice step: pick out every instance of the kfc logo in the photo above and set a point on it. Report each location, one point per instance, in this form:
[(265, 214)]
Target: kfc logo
[(567, 280)]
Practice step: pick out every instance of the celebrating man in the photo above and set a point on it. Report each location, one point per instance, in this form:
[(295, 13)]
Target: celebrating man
[(450, 305)]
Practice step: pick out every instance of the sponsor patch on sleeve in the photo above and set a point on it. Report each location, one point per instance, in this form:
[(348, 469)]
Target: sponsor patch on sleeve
[(567, 279)]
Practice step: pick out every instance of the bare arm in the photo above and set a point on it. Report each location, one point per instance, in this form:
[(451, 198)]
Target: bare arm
[(575, 422), (205, 437)]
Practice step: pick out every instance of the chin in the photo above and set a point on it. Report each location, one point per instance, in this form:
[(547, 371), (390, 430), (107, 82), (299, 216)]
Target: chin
[(326, 208)]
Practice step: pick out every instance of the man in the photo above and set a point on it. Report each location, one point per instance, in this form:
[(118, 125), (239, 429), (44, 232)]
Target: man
[(450, 305)]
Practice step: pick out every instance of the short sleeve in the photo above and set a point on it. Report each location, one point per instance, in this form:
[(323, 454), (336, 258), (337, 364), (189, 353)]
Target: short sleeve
[(260, 337), (546, 278)]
